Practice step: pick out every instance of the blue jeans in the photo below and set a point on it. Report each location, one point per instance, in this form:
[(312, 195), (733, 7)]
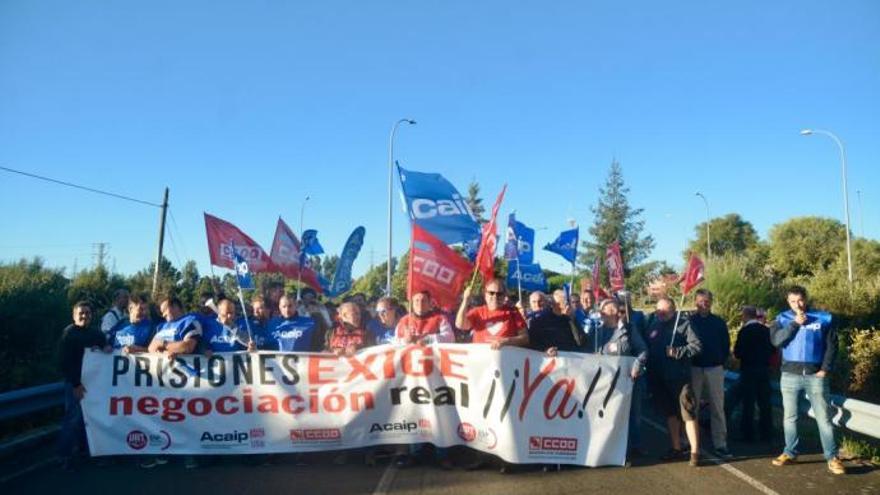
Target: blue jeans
[(73, 429), (816, 389), (635, 414)]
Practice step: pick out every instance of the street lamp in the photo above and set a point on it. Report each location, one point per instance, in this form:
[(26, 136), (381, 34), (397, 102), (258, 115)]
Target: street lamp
[(708, 232), (302, 211), (390, 191), (808, 132)]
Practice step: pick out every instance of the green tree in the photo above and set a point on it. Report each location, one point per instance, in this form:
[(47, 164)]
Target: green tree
[(372, 283), (142, 281), (328, 266), (475, 202), (802, 246), (95, 286), (188, 288), (730, 234)]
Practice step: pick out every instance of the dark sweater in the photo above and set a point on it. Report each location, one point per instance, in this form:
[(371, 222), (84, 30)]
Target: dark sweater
[(547, 329), (74, 341), (753, 347), (714, 337), (686, 344)]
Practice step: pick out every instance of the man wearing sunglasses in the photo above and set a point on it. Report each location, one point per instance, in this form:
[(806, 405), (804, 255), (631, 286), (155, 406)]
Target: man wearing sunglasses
[(496, 323)]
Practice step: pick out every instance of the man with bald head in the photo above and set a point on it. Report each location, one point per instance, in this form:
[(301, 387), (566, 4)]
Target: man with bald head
[(290, 331), (669, 377), (496, 323)]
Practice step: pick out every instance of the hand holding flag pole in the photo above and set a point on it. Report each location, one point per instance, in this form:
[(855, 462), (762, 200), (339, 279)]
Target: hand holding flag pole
[(692, 276)]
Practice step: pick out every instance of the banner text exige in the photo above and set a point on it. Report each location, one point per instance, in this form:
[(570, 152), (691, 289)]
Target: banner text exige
[(518, 404)]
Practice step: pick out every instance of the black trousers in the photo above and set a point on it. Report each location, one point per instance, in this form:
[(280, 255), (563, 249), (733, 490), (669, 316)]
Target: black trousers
[(755, 388)]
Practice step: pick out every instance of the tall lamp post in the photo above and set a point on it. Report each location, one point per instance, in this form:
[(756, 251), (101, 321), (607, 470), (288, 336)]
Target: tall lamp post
[(808, 132), (708, 232), (390, 194)]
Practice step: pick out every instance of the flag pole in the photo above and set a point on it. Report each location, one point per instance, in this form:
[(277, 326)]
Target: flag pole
[(247, 323), (519, 280), (677, 316)]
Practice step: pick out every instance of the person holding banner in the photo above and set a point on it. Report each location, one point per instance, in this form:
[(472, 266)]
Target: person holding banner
[(290, 332), (550, 332), (179, 333), (349, 336), (425, 324), (133, 335), (585, 315), (669, 377), (384, 326), (636, 321), (259, 322), (226, 333), (495, 323), (75, 339)]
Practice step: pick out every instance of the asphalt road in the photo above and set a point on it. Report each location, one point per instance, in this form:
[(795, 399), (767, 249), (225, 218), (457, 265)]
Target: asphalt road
[(749, 472)]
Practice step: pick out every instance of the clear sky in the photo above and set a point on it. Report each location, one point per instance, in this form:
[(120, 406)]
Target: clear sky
[(244, 108)]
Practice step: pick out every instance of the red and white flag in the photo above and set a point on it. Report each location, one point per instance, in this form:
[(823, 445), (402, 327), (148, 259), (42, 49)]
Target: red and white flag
[(222, 235), (285, 256), (489, 242), (435, 267), (693, 273), (614, 262), (598, 292)]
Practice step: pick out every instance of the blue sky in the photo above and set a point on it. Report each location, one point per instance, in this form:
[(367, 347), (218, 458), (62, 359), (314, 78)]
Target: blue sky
[(244, 108)]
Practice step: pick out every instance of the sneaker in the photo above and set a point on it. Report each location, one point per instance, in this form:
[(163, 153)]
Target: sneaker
[(723, 453), (785, 460), (694, 459), (835, 466), (151, 462)]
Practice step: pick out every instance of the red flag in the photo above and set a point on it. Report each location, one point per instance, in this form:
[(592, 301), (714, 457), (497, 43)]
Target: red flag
[(222, 235), (434, 267), (489, 242), (597, 289), (614, 262), (285, 256), (693, 274)]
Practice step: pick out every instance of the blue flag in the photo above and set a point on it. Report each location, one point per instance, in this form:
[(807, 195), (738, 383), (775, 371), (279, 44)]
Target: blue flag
[(520, 242), (532, 276), (565, 245), (342, 278), (242, 272), (434, 204), (309, 247), (472, 248)]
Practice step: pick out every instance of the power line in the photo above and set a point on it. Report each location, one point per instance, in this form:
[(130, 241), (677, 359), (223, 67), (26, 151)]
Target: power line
[(77, 186)]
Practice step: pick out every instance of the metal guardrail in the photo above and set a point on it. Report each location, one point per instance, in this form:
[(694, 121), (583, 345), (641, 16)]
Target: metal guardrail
[(854, 415), (28, 400)]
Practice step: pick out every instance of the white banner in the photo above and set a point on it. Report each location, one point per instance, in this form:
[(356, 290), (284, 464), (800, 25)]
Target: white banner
[(517, 404)]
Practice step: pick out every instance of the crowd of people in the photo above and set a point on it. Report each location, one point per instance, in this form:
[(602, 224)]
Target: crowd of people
[(680, 358)]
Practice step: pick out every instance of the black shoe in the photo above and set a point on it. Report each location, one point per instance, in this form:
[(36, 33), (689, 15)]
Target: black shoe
[(673, 455)]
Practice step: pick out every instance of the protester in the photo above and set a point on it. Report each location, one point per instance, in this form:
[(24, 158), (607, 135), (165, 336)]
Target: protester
[(261, 315), (754, 350), (561, 305), (585, 315), (384, 326), (425, 324), (117, 312), (290, 331), (550, 332), (707, 368), (274, 293), (808, 339), (495, 323), (309, 305), (227, 333), (133, 334), (349, 335), (636, 322), (670, 351), (75, 339)]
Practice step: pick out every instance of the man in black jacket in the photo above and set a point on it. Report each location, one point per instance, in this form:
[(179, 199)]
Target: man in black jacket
[(550, 332), (753, 349), (707, 368), (75, 339)]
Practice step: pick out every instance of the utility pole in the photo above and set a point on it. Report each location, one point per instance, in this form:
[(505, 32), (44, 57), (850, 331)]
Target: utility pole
[(100, 253), (162, 217)]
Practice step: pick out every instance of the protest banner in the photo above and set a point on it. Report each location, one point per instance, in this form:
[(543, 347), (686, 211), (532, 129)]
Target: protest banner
[(519, 404)]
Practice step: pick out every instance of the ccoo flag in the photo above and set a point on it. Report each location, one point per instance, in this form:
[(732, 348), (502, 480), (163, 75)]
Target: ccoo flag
[(222, 235), (565, 245), (286, 256), (436, 268), (342, 278), (614, 263), (434, 204), (693, 274), (532, 276)]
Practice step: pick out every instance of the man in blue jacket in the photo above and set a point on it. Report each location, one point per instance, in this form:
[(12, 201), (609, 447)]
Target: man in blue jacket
[(808, 340)]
